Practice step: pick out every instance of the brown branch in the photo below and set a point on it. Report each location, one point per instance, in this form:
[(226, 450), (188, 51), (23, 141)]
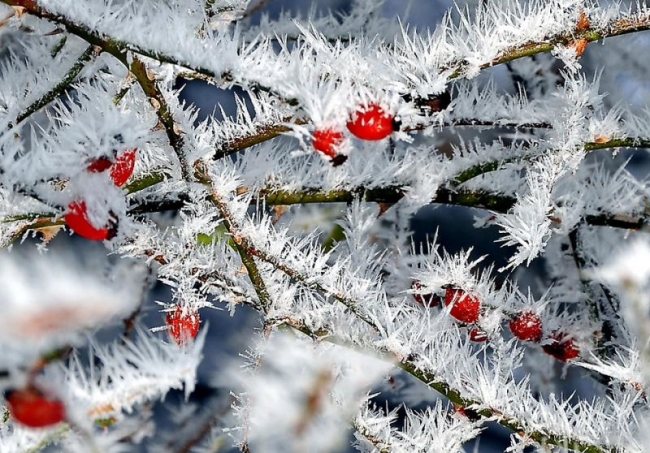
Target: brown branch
[(588, 34), (147, 82), (249, 250), (245, 252), (262, 134)]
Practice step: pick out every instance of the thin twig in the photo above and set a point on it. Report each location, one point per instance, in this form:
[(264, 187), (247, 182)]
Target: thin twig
[(244, 251), (410, 365), (147, 82), (247, 249), (58, 89)]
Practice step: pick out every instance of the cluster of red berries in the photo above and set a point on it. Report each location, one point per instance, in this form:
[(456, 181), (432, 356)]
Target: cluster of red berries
[(525, 325), (76, 216), (370, 122), (182, 325), (32, 408)]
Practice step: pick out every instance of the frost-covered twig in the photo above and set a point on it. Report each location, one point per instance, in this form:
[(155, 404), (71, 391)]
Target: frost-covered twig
[(248, 251), (58, 89), (544, 436), (147, 82), (613, 27)]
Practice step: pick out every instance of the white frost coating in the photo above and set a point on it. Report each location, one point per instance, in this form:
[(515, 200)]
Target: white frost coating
[(128, 374), (527, 225), (433, 430), (49, 301), (152, 25), (299, 396), (628, 273), (537, 168)]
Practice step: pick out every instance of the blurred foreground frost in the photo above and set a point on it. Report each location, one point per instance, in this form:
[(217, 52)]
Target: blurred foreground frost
[(299, 396)]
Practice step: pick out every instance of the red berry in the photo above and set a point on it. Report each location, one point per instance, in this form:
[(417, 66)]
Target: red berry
[(31, 408), (561, 346), (426, 300), (527, 326), (76, 217), (465, 306), (99, 165), (327, 141), (371, 123), (476, 334), (122, 169), (182, 326)]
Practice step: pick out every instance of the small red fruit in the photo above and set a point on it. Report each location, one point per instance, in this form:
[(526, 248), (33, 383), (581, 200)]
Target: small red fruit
[(182, 326), (562, 346), (426, 300), (32, 408), (99, 165), (465, 307), (476, 334), (326, 141), (371, 123), (527, 326), (122, 169), (76, 217)]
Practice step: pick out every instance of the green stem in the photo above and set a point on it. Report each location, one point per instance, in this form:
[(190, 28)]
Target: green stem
[(475, 199), (241, 246), (255, 276), (145, 182), (409, 364), (57, 90), (58, 46), (630, 142)]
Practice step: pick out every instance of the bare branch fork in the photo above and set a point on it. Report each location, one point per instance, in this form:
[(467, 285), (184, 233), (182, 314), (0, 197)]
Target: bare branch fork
[(409, 364)]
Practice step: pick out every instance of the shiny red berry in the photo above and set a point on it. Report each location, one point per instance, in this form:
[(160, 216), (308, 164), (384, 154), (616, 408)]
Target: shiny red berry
[(32, 408), (76, 217), (465, 307), (371, 122), (527, 326), (99, 165), (426, 300), (122, 169), (182, 326), (327, 141), (476, 334), (561, 346)]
